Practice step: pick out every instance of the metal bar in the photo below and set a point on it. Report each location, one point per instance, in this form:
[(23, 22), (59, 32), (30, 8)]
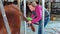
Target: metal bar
[(25, 15), (4, 17), (39, 1), (10, 0), (43, 11), (20, 0), (50, 6)]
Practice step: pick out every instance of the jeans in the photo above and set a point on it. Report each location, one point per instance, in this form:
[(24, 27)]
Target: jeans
[(40, 25)]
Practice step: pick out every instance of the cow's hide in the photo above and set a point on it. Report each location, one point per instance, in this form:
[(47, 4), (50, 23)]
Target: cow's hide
[(13, 15)]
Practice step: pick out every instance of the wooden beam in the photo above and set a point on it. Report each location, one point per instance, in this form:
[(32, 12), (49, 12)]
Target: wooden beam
[(18, 3)]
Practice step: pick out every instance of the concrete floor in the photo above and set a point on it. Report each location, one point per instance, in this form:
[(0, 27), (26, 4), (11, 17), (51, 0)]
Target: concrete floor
[(51, 28)]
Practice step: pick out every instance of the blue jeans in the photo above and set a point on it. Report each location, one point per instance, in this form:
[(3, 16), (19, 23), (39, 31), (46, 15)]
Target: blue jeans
[(40, 25)]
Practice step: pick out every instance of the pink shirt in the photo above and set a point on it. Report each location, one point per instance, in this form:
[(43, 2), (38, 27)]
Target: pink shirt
[(38, 11)]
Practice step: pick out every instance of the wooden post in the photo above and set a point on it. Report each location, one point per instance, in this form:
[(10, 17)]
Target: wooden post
[(18, 3)]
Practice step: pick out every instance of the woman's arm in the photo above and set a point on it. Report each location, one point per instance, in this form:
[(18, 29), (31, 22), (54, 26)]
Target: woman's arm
[(39, 15), (32, 16)]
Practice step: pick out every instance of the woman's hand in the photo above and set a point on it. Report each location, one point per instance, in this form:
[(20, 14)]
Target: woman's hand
[(29, 22), (31, 26)]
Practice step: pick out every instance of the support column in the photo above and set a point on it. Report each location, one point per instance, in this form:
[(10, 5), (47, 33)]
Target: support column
[(43, 11), (25, 15)]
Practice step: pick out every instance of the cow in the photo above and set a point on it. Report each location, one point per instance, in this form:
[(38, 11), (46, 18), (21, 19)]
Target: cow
[(13, 14)]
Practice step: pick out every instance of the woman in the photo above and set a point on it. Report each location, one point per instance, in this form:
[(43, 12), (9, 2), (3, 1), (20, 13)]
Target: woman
[(36, 10)]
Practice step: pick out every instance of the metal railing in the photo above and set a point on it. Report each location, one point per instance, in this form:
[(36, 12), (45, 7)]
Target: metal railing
[(43, 14), (25, 15)]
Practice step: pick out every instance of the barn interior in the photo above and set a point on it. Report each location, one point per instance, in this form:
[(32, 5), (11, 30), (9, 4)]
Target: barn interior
[(53, 7)]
